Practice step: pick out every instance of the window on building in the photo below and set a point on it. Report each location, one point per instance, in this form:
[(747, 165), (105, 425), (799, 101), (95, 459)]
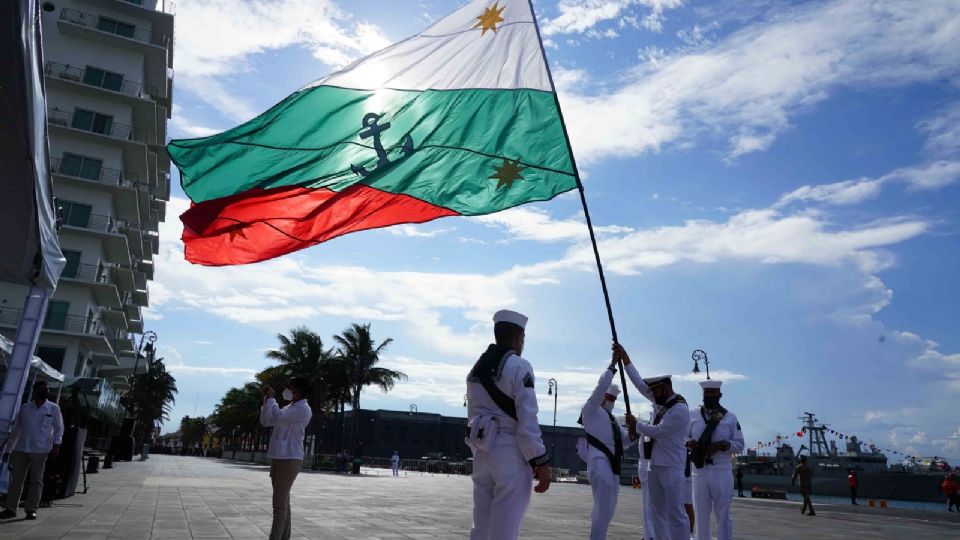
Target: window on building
[(78, 367), (53, 356), (81, 166), (72, 267), (92, 121), (75, 214), (95, 76), (57, 311), (115, 27)]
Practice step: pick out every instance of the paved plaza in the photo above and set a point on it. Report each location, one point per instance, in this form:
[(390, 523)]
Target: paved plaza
[(187, 497)]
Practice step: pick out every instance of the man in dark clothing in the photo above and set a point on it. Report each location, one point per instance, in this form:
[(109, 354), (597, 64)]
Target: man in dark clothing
[(739, 481), (852, 480), (805, 473)]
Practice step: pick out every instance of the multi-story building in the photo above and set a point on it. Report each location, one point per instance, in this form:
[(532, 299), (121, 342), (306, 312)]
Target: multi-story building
[(109, 89)]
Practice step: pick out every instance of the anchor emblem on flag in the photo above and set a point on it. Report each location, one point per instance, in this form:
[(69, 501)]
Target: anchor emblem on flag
[(374, 129)]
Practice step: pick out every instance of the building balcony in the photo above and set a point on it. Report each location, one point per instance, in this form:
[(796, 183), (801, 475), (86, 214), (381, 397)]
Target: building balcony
[(94, 334), (95, 127), (98, 279), (109, 230), (113, 28), (95, 79), (121, 184)]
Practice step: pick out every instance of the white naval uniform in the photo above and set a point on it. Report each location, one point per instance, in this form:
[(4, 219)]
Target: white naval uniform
[(713, 484), (643, 471), (667, 482), (395, 464), (604, 484), (503, 477)]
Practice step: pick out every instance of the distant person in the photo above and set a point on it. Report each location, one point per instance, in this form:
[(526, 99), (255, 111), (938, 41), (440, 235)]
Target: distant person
[(503, 433), (949, 488), (740, 482), (36, 435), (286, 447), (852, 480), (395, 463), (805, 473), (603, 448)]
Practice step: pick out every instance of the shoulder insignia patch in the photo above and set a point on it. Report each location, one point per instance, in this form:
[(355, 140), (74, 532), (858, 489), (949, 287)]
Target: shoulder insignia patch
[(528, 380)]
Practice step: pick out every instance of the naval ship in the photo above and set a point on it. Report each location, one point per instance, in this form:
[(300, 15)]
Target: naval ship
[(876, 480)]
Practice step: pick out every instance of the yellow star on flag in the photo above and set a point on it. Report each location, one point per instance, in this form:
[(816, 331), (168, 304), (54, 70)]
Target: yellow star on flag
[(490, 18), (507, 173)]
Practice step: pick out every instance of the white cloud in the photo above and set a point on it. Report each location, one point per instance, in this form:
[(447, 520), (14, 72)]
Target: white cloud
[(580, 16), (530, 223), (217, 38), (721, 375), (180, 126), (745, 88), (943, 130), (415, 231), (174, 363), (873, 416), (929, 176)]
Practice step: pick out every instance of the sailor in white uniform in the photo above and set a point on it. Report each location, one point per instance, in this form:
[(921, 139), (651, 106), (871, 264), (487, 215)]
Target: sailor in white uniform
[(395, 463), (503, 433), (714, 437), (643, 471), (605, 440), (666, 450)]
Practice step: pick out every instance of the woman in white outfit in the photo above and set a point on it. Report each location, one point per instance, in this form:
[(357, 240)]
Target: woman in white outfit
[(286, 447)]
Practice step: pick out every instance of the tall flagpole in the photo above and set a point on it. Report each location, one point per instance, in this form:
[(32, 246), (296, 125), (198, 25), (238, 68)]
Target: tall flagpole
[(583, 200)]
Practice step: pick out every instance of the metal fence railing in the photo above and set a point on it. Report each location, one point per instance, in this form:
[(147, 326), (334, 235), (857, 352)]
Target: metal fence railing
[(110, 26), (102, 175), (100, 79), (94, 123), (92, 273)]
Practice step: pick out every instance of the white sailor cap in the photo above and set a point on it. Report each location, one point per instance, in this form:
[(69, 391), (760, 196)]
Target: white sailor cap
[(505, 315), (712, 383), (614, 390), (654, 382)]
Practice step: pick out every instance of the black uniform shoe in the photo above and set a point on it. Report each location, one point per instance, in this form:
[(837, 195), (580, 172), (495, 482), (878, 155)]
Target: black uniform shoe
[(7, 514), (31, 514)]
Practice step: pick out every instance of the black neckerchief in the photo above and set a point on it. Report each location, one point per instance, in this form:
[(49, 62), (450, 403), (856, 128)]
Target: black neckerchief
[(489, 368), (614, 457), (712, 419), (648, 445)]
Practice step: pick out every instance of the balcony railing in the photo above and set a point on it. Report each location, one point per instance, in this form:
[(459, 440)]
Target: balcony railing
[(110, 177), (92, 273), (111, 26), (74, 324), (109, 128), (96, 79), (163, 6), (76, 217)]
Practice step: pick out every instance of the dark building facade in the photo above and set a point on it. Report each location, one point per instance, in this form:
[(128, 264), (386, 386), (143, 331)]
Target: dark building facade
[(418, 435)]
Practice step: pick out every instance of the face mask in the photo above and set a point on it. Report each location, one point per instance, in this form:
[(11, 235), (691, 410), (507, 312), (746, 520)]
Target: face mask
[(39, 394), (660, 399), (287, 394), (712, 402), (608, 405)]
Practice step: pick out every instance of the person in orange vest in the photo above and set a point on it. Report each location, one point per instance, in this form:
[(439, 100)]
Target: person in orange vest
[(852, 480), (949, 488)]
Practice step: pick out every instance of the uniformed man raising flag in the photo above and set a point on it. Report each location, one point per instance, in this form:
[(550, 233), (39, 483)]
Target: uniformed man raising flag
[(605, 440), (503, 433), (714, 437), (666, 450)]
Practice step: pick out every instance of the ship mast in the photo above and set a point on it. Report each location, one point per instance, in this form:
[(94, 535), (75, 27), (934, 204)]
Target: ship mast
[(816, 435)]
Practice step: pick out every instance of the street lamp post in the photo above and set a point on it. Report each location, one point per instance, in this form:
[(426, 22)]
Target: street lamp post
[(464, 400), (554, 390), (697, 356)]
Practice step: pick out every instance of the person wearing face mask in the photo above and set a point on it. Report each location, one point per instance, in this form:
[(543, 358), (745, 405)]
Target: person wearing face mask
[(286, 447), (714, 437), (665, 450), (606, 441), (37, 431)]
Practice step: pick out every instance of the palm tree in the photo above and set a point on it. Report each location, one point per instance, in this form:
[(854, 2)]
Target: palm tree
[(360, 354), (238, 413), (300, 355), (151, 398)]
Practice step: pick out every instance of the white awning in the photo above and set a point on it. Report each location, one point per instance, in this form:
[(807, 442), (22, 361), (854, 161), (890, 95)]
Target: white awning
[(44, 370)]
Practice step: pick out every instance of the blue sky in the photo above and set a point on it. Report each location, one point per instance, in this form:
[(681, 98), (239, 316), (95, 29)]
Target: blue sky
[(773, 183)]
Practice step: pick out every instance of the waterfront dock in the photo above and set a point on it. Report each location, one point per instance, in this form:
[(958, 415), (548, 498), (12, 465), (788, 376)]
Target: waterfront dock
[(172, 497)]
